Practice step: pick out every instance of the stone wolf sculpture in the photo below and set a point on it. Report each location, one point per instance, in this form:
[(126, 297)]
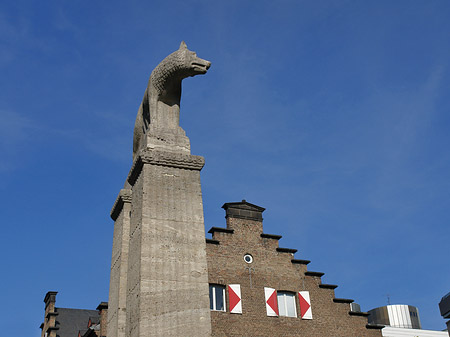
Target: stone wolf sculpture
[(160, 107)]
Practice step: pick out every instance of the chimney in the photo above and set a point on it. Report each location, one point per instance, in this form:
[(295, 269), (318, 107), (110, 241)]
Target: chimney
[(103, 313), (238, 213), (50, 300), (49, 325)]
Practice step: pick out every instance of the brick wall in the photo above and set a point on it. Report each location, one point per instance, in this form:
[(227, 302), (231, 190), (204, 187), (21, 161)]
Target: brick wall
[(48, 327)]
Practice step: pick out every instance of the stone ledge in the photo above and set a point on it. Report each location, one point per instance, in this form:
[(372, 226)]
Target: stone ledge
[(286, 250), (123, 197), (374, 326), (305, 262), (271, 236), (102, 306), (358, 313), (314, 273), (221, 230), (135, 171), (212, 241), (52, 314), (342, 300), (328, 286), (169, 159)]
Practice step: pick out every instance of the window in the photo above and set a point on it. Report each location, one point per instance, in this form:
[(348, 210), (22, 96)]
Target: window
[(217, 297), (248, 258), (286, 304)]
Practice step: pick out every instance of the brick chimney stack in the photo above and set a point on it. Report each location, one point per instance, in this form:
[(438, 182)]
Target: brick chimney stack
[(103, 313), (238, 213), (49, 326)]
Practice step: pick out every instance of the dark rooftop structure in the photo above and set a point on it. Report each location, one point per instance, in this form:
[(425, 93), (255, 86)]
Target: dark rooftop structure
[(444, 306), (70, 320)]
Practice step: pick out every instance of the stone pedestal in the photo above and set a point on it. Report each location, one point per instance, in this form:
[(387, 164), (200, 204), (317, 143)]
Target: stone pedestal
[(167, 283)]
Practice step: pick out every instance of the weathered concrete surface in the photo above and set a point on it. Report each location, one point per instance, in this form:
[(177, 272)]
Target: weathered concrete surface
[(120, 213), (167, 270)]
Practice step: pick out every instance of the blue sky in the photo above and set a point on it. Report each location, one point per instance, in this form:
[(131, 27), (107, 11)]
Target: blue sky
[(333, 115)]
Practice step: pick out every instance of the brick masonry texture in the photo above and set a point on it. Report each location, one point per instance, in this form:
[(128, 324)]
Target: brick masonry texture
[(271, 268)]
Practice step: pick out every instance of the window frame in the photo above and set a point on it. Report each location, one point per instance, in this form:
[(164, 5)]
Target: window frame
[(284, 295), (215, 288)]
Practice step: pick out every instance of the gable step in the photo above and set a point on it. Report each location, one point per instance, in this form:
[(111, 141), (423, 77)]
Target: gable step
[(314, 273), (212, 241), (328, 286), (374, 326), (221, 230), (358, 313), (343, 300), (271, 236), (286, 250), (295, 261)]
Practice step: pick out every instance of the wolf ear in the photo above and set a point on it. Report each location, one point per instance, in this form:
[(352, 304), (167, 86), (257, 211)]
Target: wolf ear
[(183, 45)]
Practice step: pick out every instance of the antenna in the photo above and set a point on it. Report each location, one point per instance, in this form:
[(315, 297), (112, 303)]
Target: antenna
[(388, 299)]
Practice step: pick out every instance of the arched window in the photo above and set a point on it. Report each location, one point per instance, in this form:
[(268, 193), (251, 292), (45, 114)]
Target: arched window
[(286, 304)]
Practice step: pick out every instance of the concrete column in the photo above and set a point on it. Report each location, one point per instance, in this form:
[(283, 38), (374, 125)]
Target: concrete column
[(117, 305), (167, 273)]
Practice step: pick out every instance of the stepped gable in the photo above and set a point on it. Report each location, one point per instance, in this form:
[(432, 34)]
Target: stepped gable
[(272, 267)]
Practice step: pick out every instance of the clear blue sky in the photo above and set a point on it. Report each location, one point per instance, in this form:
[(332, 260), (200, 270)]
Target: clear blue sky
[(333, 115)]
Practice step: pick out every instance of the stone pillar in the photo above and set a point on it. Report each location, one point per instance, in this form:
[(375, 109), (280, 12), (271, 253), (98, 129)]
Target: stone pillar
[(167, 272), (120, 213)]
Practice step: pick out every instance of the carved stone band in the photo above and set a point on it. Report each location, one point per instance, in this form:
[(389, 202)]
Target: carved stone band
[(170, 159)]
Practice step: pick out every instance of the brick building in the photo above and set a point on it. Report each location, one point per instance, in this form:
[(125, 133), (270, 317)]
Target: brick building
[(69, 322), (243, 256)]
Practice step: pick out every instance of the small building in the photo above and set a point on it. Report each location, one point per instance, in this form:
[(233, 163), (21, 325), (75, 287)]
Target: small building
[(401, 320), (68, 322), (398, 315)]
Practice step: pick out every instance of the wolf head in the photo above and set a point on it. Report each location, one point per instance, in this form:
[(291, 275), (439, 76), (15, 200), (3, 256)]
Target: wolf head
[(193, 64)]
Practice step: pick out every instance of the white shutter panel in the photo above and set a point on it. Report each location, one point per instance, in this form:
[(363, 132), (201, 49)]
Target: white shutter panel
[(234, 297), (271, 301), (305, 305)]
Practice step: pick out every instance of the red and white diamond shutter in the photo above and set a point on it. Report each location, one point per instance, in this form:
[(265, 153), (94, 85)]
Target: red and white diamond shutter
[(305, 305), (234, 296), (271, 301)]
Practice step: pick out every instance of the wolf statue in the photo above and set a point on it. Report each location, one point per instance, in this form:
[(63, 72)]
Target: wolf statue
[(159, 112)]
